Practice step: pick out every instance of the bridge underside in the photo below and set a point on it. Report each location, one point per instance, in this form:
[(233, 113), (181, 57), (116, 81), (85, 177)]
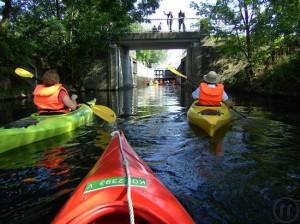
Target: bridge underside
[(156, 45), (159, 41), (121, 74)]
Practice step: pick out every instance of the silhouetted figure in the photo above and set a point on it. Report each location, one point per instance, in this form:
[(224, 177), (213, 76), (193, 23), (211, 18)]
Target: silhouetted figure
[(154, 29), (169, 20), (159, 27), (181, 16)]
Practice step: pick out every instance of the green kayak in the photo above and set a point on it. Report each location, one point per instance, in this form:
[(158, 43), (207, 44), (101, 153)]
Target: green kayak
[(38, 127)]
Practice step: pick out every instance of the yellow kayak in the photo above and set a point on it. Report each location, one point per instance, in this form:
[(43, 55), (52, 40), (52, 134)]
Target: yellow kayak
[(209, 118)]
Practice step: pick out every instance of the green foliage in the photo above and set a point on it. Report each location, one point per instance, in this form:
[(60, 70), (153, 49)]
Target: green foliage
[(206, 26), (67, 35), (255, 31), (284, 78), (136, 27), (151, 57)]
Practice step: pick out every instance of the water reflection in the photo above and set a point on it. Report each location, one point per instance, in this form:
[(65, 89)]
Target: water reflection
[(29, 155), (140, 102), (21, 108), (216, 142), (235, 177)]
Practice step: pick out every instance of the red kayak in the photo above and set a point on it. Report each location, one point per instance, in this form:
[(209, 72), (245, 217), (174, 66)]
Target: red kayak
[(106, 197)]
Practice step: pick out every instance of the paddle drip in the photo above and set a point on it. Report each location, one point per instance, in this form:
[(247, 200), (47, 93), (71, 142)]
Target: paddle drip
[(127, 171)]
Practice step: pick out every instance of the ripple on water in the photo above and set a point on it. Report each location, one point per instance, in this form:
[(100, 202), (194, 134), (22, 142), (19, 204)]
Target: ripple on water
[(235, 177)]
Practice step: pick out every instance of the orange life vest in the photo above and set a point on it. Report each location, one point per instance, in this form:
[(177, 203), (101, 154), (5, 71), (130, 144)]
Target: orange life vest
[(211, 96), (46, 99)]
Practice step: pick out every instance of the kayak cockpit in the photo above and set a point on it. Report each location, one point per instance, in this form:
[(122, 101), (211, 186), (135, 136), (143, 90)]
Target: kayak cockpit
[(116, 214)]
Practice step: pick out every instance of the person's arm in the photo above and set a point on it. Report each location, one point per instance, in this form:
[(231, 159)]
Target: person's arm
[(228, 103), (70, 102), (226, 100), (195, 94)]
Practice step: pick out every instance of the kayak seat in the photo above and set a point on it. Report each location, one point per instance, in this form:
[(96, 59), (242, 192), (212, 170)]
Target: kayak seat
[(210, 112), (23, 123)]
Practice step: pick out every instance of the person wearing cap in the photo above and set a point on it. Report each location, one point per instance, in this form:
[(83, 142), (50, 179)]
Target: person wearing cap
[(211, 92)]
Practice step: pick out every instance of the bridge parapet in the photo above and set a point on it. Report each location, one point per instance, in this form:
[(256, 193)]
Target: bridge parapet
[(163, 36), (152, 41), (162, 25)]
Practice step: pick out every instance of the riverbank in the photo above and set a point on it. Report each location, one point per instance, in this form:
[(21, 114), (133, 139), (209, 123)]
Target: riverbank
[(15, 94), (283, 79)]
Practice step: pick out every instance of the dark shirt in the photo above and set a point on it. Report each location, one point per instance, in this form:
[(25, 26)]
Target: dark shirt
[(181, 15)]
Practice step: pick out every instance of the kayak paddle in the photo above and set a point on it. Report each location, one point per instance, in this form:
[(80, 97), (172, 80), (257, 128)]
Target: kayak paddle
[(185, 77), (23, 73), (104, 112), (101, 111), (239, 113), (173, 70)]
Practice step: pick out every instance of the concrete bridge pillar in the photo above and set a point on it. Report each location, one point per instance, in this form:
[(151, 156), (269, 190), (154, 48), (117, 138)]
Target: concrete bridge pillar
[(120, 72), (194, 67), (192, 62), (127, 70), (114, 68)]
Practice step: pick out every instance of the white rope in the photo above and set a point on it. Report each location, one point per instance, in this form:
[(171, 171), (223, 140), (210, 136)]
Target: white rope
[(127, 171)]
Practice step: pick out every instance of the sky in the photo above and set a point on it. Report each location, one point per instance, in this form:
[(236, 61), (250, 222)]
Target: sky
[(1, 4), (167, 6), (175, 6), (174, 56)]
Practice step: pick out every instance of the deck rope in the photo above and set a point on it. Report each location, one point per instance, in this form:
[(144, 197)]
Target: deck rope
[(127, 171)]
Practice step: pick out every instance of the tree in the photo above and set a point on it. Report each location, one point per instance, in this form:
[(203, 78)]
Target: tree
[(235, 21), (259, 29), (64, 34), (151, 56), (6, 10)]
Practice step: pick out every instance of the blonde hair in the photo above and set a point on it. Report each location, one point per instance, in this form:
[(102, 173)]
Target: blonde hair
[(50, 77)]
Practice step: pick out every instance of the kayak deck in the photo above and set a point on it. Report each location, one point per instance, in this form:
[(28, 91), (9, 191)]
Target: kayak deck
[(209, 118), (39, 127), (103, 195)]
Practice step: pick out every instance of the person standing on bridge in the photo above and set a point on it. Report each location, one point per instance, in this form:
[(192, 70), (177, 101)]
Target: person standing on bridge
[(154, 29), (159, 27), (211, 92), (181, 16), (169, 19)]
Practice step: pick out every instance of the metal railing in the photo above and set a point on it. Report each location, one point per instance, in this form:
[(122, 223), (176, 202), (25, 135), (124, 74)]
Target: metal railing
[(165, 25)]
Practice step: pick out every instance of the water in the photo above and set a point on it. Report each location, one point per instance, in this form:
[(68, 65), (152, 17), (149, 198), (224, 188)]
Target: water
[(245, 174)]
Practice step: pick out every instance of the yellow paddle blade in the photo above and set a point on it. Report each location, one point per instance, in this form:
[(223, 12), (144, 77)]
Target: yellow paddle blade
[(23, 73), (176, 72), (104, 112)]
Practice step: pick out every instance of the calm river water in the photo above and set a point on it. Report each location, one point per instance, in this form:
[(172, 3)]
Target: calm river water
[(248, 173)]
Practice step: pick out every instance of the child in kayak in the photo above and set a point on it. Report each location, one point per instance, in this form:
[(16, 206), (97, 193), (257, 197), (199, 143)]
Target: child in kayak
[(51, 97), (210, 92)]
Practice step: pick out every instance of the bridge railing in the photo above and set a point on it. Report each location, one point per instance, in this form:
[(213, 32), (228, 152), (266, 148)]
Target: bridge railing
[(162, 25)]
